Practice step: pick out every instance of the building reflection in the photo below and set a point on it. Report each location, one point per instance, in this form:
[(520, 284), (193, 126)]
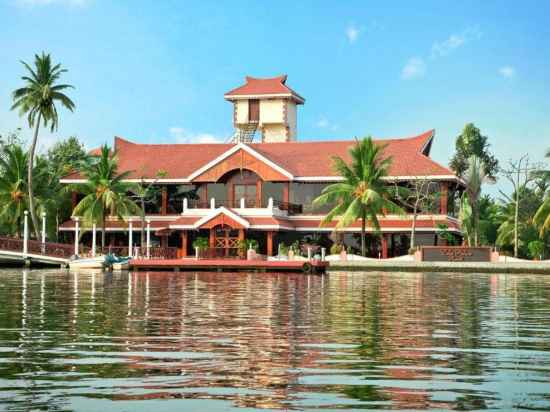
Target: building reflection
[(271, 340)]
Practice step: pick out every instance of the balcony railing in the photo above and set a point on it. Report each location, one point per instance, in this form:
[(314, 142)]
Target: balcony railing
[(155, 252), (290, 208)]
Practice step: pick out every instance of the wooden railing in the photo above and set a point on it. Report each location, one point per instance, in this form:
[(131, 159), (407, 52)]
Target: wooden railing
[(35, 247), (221, 253), (290, 208), (155, 252)]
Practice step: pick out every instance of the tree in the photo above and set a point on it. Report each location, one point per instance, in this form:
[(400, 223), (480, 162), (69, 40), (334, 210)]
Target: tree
[(474, 177), (66, 155), (542, 217), (13, 186), (105, 192), (146, 193), (363, 194), (37, 100), (519, 173), (472, 143), (418, 196), (11, 138), (489, 220)]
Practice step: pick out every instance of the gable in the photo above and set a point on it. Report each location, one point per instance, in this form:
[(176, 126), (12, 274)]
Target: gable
[(224, 217), (238, 160)]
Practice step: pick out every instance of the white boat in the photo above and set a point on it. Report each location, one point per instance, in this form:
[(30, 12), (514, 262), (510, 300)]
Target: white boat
[(87, 263)]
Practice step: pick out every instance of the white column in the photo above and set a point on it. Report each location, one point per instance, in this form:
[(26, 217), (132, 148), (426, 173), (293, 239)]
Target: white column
[(94, 227), (148, 238), (43, 228), (323, 253), (130, 236), (185, 205), (212, 203), (76, 230), (308, 253), (26, 234), (196, 253), (270, 203), (242, 203)]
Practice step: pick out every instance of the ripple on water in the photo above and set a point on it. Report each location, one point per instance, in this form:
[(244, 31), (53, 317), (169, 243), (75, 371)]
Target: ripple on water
[(218, 341)]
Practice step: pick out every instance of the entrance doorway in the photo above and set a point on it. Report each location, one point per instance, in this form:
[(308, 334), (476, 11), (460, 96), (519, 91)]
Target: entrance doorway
[(226, 242)]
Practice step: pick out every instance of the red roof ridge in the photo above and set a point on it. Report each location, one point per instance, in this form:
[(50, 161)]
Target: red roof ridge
[(258, 86), (282, 78), (422, 138)]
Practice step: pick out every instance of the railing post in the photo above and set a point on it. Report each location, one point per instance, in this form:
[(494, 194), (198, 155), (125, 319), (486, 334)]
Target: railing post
[(242, 203), (130, 236), (148, 238), (185, 205), (43, 229), (76, 230), (94, 241), (212, 203), (26, 234)]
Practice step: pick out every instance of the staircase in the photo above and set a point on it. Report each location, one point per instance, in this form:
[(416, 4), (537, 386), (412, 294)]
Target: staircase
[(245, 133)]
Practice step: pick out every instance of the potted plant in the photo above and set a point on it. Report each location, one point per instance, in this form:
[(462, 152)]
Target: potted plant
[(201, 243), (294, 249), (311, 242), (283, 250), (336, 248)]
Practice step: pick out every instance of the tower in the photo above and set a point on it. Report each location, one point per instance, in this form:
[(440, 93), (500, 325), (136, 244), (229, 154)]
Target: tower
[(267, 105)]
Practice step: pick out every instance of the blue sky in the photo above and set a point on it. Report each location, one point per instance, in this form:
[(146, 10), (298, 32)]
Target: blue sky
[(156, 71)]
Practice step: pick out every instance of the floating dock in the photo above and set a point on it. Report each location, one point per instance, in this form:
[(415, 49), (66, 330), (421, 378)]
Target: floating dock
[(233, 265)]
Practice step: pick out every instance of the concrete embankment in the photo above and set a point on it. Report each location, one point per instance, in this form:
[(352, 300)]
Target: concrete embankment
[(456, 267)]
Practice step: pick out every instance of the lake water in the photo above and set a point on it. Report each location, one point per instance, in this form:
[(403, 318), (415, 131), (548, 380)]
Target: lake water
[(220, 341)]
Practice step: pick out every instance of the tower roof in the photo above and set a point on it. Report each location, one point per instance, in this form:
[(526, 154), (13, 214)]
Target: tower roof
[(270, 87)]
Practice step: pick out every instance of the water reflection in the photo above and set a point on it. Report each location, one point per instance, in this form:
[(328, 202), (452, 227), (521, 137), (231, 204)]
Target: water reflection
[(88, 341)]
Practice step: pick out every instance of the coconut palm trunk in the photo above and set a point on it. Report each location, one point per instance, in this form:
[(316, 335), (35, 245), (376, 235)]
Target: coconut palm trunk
[(30, 166), (103, 232), (363, 230)]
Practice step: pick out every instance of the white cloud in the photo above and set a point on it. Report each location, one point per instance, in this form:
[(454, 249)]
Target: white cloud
[(414, 68), (454, 41), (507, 71), (324, 123), (352, 33), (38, 3), (182, 135)]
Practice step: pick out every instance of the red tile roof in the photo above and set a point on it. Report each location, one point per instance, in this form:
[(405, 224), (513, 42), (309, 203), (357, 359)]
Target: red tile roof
[(136, 225), (301, 159), (261, 87), (277, 222), (385, 223)]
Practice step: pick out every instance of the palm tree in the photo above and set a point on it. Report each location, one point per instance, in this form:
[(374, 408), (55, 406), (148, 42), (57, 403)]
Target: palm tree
[(14, 198), (542, 217), (105, 192), (363, 193), (13, 187), (475, 176), (37, 100)]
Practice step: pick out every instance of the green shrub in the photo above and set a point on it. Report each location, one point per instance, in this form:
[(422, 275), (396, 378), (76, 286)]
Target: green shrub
[(201, 243), (336, 248), (283, 249), (536, 249)]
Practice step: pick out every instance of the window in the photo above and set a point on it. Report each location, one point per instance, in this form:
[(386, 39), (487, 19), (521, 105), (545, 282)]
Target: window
[(253, 110), (305, 193)]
